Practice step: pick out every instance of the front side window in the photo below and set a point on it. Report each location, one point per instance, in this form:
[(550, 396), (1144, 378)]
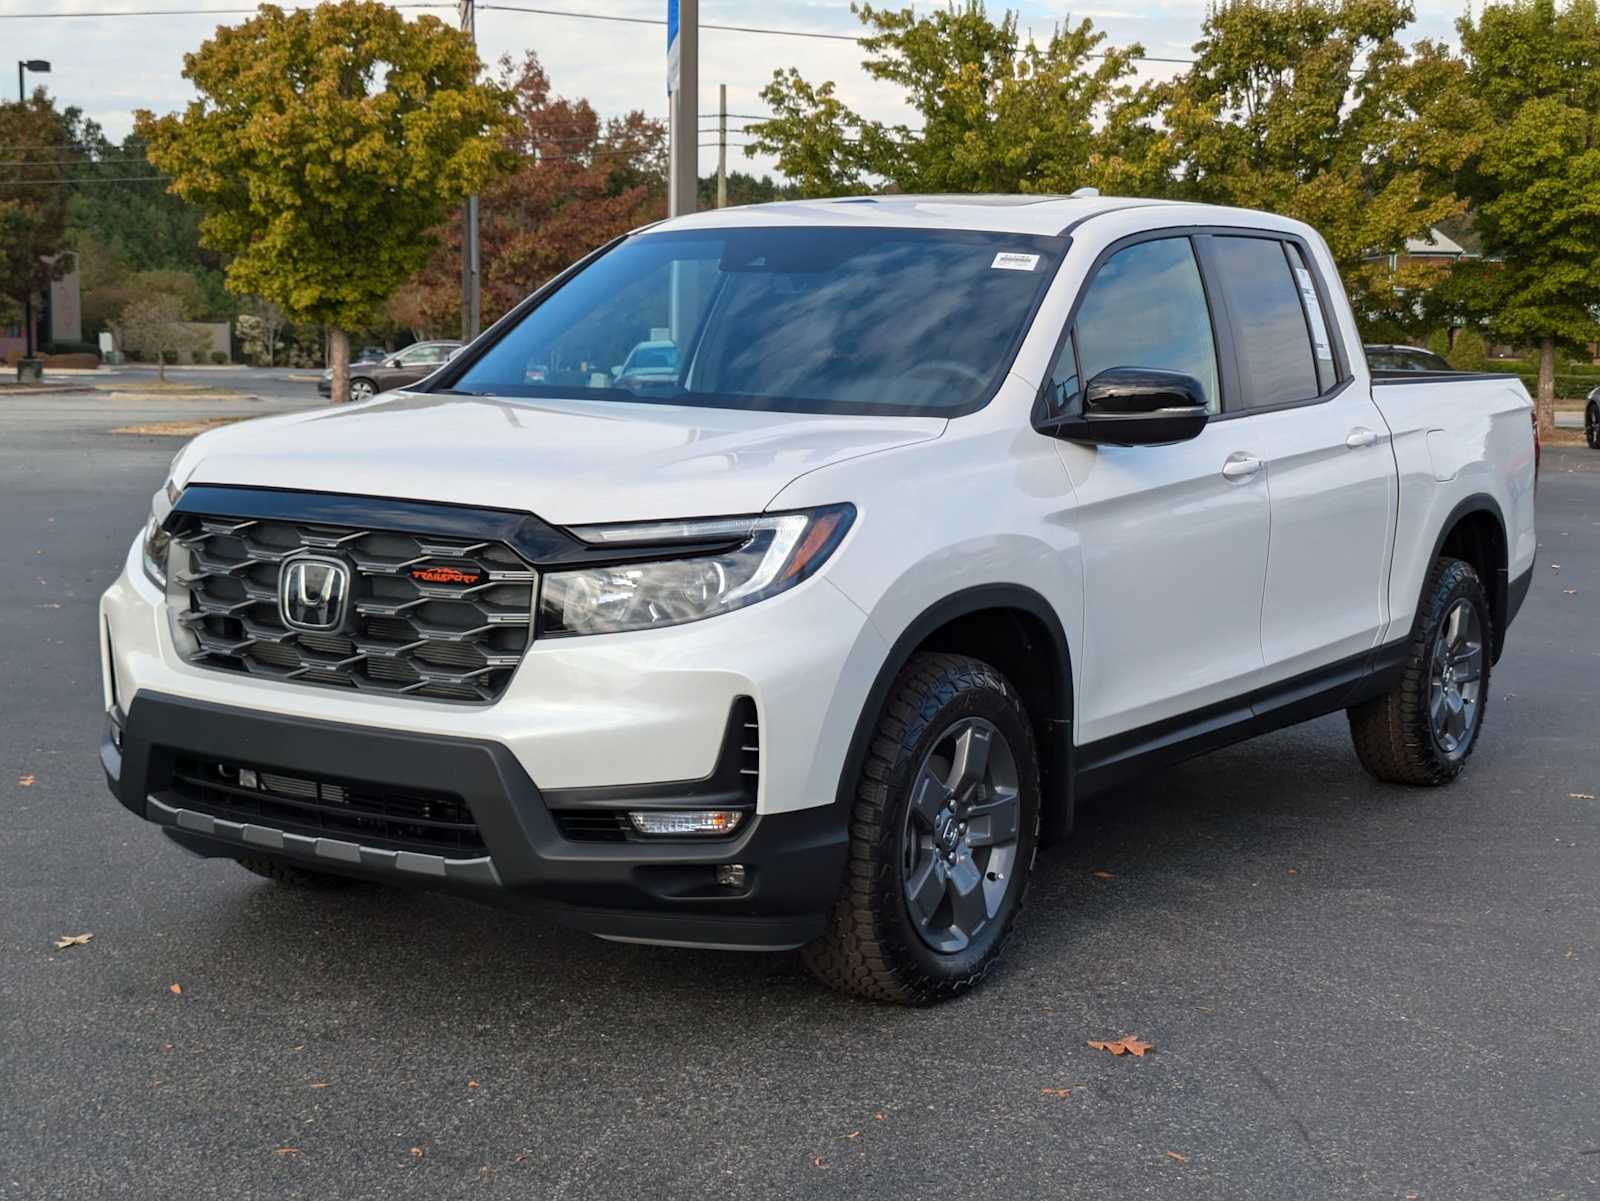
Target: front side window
[(1145, 307), (837, 320), (1271, 338)]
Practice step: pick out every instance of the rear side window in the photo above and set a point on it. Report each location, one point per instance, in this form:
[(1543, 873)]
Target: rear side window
[(1145, 307), (1271, 332)]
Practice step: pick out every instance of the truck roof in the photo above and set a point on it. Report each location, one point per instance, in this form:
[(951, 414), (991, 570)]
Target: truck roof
[(1023, 214)]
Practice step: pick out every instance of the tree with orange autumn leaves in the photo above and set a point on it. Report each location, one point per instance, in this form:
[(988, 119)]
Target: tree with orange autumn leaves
[(581, 182)]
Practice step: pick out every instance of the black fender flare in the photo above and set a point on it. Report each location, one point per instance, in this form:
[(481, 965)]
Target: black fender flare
[(1499, 585), (1056, 758)]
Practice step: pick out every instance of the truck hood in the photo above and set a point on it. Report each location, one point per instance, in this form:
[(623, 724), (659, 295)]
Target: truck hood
[(571, 462)]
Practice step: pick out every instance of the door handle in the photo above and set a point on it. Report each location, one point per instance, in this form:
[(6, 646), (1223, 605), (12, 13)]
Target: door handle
[(1240, 466), (1359, 437)]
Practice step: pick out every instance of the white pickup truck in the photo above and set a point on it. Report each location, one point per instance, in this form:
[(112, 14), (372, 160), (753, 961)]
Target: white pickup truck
[(941, 513)]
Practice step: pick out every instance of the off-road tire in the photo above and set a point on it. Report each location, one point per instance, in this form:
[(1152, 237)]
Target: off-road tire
[(296, 877), (1393, 737), (871, 948)]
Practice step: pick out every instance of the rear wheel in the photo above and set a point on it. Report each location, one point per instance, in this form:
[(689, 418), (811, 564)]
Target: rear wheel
[(1591, 425), (1423, 730), (362, 389), (942, 837), (288, 873)]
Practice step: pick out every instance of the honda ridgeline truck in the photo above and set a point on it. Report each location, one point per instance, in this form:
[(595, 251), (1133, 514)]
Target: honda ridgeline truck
[(942, 513)]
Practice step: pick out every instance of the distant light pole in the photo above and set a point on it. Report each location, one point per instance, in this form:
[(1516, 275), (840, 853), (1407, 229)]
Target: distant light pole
[(37, 65)]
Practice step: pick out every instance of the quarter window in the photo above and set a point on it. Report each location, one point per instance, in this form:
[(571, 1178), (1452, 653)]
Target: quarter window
[(1272, 340), (1146, 307)]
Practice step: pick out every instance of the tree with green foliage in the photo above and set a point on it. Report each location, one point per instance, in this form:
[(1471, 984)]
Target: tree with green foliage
[(1531, 88), (1314, 109), (999, 114), (33, 202), (325, 148)]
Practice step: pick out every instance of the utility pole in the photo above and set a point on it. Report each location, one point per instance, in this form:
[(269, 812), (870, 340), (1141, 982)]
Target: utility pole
[(471, 290), (683, 93), (722, 146)]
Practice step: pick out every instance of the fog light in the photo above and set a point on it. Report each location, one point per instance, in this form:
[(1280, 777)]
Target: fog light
[(731, 875), (685, 821), (247, 778)]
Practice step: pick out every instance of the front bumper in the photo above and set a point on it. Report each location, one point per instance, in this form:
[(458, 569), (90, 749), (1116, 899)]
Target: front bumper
[(664, 892)]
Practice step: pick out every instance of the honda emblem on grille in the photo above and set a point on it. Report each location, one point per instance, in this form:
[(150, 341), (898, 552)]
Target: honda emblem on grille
[(313, 593)]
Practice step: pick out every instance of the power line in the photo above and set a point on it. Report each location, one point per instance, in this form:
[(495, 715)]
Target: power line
[(183, 12), (74, 183), (762, 30)]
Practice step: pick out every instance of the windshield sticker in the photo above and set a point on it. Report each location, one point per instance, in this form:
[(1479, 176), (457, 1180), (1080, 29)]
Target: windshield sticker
[(1010, 260), (1319, 329)]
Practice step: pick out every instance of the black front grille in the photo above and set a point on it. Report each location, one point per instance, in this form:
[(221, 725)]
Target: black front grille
[(444, 640), (372, 815)]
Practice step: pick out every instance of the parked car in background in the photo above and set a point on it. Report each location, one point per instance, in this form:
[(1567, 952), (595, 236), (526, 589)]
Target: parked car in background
[(403, 367), (1591, 419), (954, 510), (1404, 358), (649, 362)]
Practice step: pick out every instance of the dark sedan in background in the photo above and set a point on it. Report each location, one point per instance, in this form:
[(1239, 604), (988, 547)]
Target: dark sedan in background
[(368, 377)]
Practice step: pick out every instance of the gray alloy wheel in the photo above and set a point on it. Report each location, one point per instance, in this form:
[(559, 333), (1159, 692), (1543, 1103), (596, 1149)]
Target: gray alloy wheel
[(959, 843), (1455, 679), (1591, 425), (362, 389), (944, 820)]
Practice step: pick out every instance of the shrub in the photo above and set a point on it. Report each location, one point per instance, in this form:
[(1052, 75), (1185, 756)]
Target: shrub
[(1568, 387), (219, 357), (72, 348), (1470, 352), (73, 362), (1439, 343), (169, 357)]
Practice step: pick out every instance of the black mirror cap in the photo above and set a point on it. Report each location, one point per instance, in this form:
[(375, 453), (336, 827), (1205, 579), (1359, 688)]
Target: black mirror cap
[(1136, 406)]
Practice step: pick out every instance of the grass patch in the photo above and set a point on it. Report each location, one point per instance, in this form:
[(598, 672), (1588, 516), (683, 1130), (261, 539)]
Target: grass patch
[(177, 429)]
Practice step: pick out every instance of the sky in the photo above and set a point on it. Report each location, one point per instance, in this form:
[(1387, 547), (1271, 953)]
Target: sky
[(109, 66)]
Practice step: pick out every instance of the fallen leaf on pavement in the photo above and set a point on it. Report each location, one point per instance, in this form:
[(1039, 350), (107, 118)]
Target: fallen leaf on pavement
[(175, 988), (1128, 1044), (287, 1151), (25, 781), (72, 940), (1102, 875), (417, 1152), (1570, 591), (1057, 1093), (1176, 1156), (852, 1136), (472, 1084), (1294, 871), (879, 1116), (319, 1084), (1577, 796), (817, 1161)]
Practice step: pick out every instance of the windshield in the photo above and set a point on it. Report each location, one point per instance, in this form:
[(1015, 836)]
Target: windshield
[(810, 320)]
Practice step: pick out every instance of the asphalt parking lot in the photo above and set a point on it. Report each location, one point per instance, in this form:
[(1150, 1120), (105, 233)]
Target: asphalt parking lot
[(1354, 990)]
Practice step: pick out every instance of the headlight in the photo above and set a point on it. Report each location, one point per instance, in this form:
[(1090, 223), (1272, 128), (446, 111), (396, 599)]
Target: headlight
[(157, 541), (764, 556)]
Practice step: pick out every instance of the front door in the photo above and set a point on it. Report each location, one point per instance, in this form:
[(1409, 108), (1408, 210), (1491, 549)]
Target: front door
[(1174, 538)]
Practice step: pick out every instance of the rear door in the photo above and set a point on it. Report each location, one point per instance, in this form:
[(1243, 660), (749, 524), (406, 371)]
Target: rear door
[(1330, 472), (1174, 538)]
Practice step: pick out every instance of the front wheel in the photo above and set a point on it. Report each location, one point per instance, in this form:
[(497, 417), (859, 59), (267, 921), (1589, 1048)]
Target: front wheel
[(1423, 729), (362, 389), (942, 837), (1591, 426)]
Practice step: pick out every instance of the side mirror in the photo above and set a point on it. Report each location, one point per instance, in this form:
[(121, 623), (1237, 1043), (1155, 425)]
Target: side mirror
[(1135, 406)]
